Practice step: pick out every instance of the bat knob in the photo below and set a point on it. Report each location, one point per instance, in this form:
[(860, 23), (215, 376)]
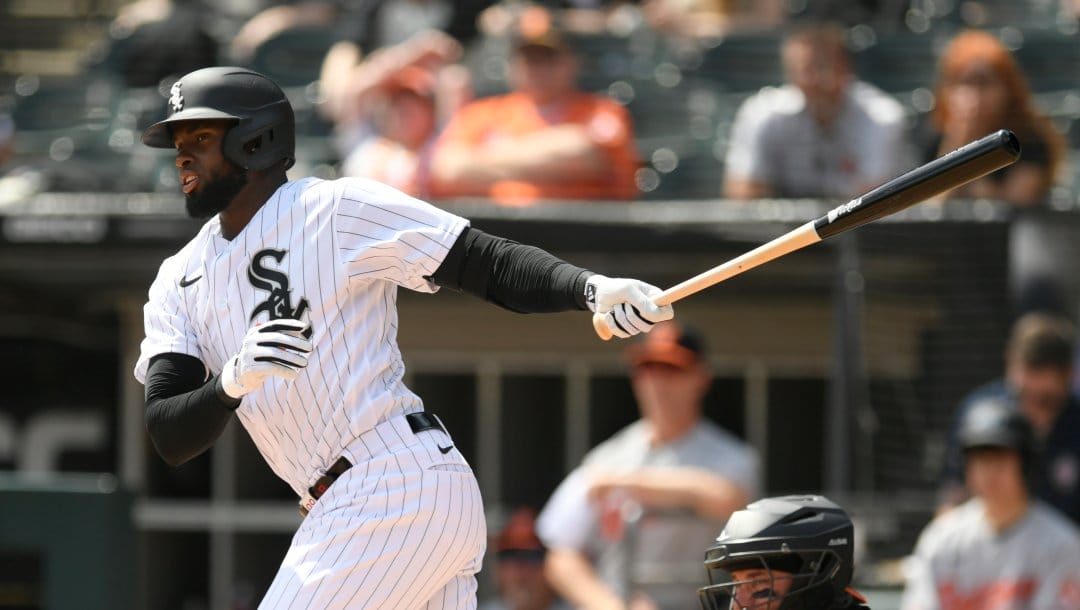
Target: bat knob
[(601, 327)]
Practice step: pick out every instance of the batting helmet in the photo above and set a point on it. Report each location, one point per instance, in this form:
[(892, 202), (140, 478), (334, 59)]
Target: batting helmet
[(996, 422), (808, 537), (265, 130)]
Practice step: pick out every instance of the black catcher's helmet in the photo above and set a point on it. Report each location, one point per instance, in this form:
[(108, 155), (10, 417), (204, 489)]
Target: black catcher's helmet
[(265, 130), (807, 537), (996, 422)]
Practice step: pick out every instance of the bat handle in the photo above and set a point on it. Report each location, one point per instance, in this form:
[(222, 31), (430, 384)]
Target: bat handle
[(666, 297), (600, 327)]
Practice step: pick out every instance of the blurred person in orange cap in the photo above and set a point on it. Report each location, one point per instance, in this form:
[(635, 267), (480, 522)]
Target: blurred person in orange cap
[(394, 150), (519, 567), (546, 139), (684, 474)]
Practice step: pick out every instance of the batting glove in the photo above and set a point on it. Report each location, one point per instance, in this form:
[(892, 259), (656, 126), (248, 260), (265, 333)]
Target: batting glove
[(626, 304), (276, 349)]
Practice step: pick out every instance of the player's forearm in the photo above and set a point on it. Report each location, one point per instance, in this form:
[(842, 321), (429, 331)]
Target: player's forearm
[(552, 155), (745, 188), (707, 494), (574, 578), (185, 413), (710, 496), (556, 154), (514, 276)]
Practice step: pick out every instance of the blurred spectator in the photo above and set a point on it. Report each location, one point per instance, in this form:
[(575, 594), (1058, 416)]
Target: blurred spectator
[(1038, 376), (687, 475), (7, 141), (980, 89), (272, 20), (150, 40), (403, 122), (350, 92), (405, 25), (1002, 548), (825, 134), (519, 567), (545, 140)]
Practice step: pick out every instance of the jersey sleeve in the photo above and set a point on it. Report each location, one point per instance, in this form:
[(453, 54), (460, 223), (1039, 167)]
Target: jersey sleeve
[(920, 588), (384, 234), (165, 320), (1059, 588), (567, 519), (746, 154)]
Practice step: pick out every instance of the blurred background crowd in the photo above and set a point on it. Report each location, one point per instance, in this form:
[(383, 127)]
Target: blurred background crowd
[(686, 114)]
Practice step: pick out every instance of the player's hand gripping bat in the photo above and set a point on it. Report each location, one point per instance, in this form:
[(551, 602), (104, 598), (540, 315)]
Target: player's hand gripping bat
[(967, 163)]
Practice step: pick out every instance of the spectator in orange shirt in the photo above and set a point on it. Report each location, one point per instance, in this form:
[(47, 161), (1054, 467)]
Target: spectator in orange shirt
[(544, 140)]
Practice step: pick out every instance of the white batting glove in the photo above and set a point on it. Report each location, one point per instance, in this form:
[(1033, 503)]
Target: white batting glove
[(627, 305), (275, 349)]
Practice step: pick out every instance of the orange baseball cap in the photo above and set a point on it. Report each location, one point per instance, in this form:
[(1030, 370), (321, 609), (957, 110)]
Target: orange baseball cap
[(668, 343), (518, 538)]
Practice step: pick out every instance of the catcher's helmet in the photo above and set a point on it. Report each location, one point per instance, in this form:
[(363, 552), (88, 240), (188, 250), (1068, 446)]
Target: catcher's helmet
[(808, 537), (996, 422), (265, 130)]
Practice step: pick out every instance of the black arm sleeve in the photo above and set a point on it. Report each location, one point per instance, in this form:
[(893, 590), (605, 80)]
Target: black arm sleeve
[(185, 411), (514, 276)]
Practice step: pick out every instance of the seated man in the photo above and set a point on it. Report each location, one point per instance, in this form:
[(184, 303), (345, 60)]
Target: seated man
[(1038, 378), (544, 140), (519, 567), (825, 134), (1002, 548), (685, 474), (786, 553)]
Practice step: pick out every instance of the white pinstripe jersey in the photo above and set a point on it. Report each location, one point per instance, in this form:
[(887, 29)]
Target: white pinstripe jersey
[(332, 253)]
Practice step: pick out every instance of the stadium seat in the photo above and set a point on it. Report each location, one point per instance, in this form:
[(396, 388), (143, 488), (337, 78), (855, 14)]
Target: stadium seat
[(293, 57)]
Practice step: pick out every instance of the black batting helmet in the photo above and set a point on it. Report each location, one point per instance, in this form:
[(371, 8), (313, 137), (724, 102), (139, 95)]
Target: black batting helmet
[(265, 130), (996, 422), (809, 538)]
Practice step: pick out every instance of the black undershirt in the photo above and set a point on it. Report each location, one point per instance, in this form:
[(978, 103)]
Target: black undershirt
[(186, 411)]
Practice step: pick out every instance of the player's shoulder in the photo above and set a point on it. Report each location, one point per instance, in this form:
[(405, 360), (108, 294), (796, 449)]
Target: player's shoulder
[(782, 101), (722, 447), (879, 106), (367, 191), (192, 249), (945, 529), (1057, 528), (629, 439)]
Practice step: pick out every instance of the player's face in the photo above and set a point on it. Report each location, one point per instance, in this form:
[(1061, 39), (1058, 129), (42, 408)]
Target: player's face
[(522, 584), (543, 73), (209, 180), (995, 475), (1041, 391), (668, 394), (759, 589), (976, 94), (819, 74)]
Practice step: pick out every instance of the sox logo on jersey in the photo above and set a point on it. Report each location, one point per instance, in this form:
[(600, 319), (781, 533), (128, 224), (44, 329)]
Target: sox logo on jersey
[(278, 303)]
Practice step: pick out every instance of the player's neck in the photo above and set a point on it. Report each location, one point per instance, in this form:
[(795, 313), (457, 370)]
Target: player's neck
[(1003, 513), (247, 202)]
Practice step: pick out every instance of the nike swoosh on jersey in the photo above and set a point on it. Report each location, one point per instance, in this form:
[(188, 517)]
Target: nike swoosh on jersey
[(445, 450), (184, 282)]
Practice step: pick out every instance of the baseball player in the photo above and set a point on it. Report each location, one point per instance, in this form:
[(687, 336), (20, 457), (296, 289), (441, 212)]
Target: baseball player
[(785, 553), (282, 311), (1002, 549)]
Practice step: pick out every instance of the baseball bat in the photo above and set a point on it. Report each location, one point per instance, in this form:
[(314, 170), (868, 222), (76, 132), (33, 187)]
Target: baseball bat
[(967, 163)]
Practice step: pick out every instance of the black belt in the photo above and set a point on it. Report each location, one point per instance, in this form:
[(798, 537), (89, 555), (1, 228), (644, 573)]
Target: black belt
[(418, 422)]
